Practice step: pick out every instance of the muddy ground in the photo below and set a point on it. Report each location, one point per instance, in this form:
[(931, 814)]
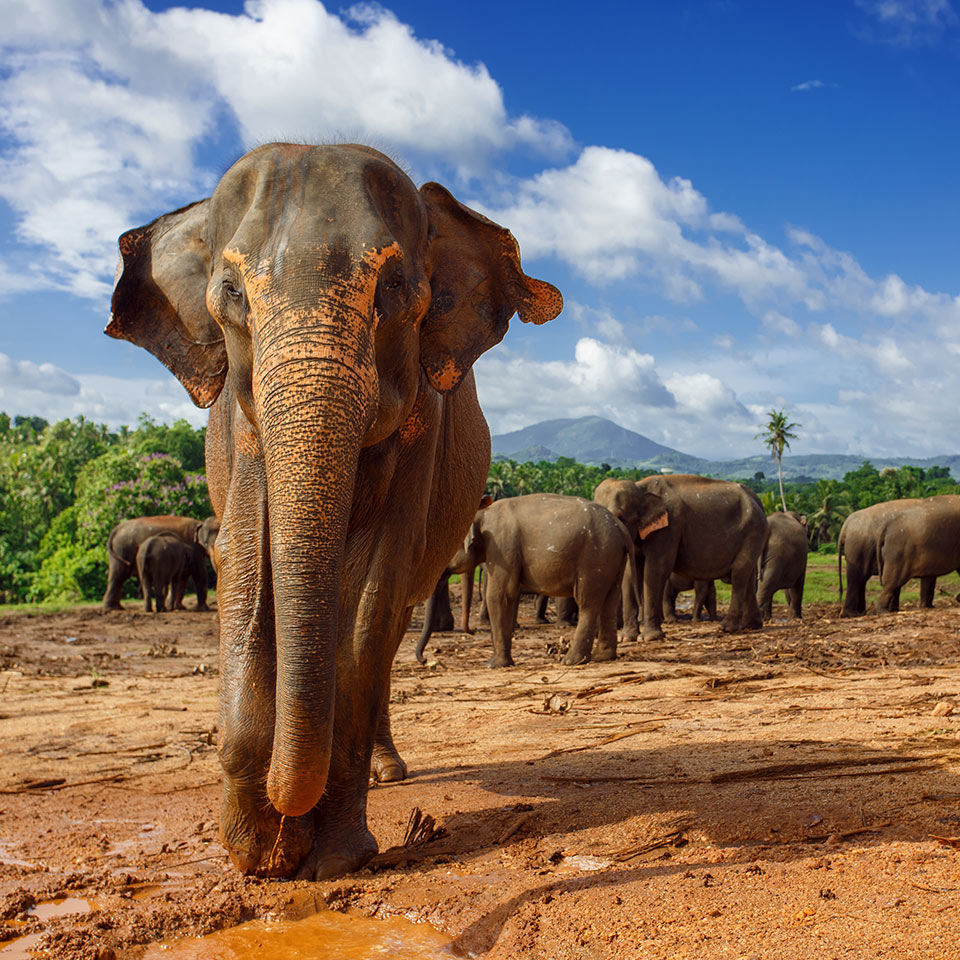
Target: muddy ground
[(793, 793)]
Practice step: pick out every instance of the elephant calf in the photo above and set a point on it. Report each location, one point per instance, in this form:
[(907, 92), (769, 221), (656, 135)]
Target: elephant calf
[(555, 545), (783, 563), (162, 561), (704, 597)]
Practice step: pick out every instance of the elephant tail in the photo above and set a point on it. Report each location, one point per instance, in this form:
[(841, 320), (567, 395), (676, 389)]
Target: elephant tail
[(113, 553), (880, 540)]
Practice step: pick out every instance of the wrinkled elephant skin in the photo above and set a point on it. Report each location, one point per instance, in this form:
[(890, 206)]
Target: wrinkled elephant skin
[(331, 314)]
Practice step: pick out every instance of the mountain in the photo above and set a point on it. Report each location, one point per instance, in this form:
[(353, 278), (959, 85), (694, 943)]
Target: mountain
[(588, 439), (597, 440)]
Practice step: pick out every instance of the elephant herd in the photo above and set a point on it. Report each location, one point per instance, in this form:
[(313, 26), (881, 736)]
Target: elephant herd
[(164, 552), (329, 314), (635, 545)]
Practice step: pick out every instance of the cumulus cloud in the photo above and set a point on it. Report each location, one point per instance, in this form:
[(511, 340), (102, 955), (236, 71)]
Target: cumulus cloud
[(105, 104), (44, 390), (40, 378)]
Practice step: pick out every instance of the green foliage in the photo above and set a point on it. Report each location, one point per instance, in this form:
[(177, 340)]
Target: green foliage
[(507, 478), (64, 486)]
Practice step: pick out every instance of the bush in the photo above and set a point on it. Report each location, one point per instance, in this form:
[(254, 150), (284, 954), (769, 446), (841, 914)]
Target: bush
[(71, 573)]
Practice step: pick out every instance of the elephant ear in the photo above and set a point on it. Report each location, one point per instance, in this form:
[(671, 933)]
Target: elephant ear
[(477, 285), (159, 300), (653, 516)]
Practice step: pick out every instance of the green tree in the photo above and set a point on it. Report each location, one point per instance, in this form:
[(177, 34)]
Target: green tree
[(777, 434), (832, 505)]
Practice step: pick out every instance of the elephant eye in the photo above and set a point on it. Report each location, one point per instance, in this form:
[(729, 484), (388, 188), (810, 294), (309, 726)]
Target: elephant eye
[(230, 290), (395, 282)]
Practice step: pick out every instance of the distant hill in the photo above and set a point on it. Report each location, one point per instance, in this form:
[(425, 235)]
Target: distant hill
[(597, 440)]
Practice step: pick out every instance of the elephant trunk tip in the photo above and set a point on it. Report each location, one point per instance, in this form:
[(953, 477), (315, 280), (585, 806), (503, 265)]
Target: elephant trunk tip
[(293, 798)]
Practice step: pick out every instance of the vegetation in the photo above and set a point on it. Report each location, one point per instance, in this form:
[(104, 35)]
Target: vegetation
[(777, 434), (63, 486)]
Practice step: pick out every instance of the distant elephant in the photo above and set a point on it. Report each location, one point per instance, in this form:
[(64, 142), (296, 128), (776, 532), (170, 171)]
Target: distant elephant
[(127, 536), (556, 545), (783, 563), (858, 541), (161, 561), (701, 528), (921, 540), (704, 597), (331, 313)]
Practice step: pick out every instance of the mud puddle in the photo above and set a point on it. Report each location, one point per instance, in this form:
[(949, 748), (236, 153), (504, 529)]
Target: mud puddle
[(22, 948), (323, 936)]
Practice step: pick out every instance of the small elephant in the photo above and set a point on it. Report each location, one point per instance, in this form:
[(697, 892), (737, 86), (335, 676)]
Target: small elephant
[(127, 536), (858, 542), (704, 597), (161, 562), (783, 563), (555, 545), (922, 540), (701, 528)]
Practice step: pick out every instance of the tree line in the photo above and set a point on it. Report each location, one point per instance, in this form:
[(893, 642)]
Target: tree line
[(65, 485)]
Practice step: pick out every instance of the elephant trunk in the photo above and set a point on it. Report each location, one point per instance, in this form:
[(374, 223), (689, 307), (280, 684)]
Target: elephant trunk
[(314, 407)]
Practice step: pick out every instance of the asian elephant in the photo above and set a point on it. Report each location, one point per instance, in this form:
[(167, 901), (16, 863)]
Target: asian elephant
[(161, 561), (858, 541), (127, 536), (704, 597), (555, 545), (330, 312), (783, 562), (921, 540), (701, 528)]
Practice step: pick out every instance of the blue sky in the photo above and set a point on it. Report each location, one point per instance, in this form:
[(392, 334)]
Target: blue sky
[(746, 204)]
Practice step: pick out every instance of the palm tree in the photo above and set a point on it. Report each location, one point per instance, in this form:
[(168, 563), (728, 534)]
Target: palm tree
[(833, 505), (777, 435)]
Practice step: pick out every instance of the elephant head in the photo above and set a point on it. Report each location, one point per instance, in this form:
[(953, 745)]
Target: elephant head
[(640, 510), (207, 537), (329, 291)]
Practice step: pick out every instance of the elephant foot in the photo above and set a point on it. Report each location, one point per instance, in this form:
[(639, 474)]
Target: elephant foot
[(387, 766), (601, 653), (652, 635), (670, 618), (731, 625), (198, 608), (574, 658), (274, 847), (499, 661), (334, 855), (630, 637), (541, 620), (109, 608)]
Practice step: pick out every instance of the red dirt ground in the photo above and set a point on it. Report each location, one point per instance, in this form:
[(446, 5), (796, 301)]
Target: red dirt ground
[(772, 795)]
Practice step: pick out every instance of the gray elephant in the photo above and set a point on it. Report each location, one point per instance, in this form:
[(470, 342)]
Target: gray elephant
[(701, 528), (783, 563), (127, 536), (858, 542), (704, 597), (555, 545), (162, 561), (921, 540)]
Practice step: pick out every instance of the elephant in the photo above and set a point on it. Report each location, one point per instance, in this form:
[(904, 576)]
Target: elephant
[(921, 540), (701, 528), (329, 313), (783, 563), (127, 536), (161, 562), (704, 598), (858, 541), (555, 545)]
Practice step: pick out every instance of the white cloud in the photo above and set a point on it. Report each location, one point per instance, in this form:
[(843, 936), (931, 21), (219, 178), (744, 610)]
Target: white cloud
[(907, 22), (44, 390), (778, 323), (105, 103), (810, 85), (41, 378)]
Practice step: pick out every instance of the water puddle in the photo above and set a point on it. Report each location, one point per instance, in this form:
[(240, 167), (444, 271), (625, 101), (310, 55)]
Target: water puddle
[(323, 936), (22, 947)]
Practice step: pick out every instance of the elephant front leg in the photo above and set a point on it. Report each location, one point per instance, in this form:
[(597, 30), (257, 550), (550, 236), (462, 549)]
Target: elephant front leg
[(502, 598), (654, 581), (928, 588), (628, 605), (387, 766)]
